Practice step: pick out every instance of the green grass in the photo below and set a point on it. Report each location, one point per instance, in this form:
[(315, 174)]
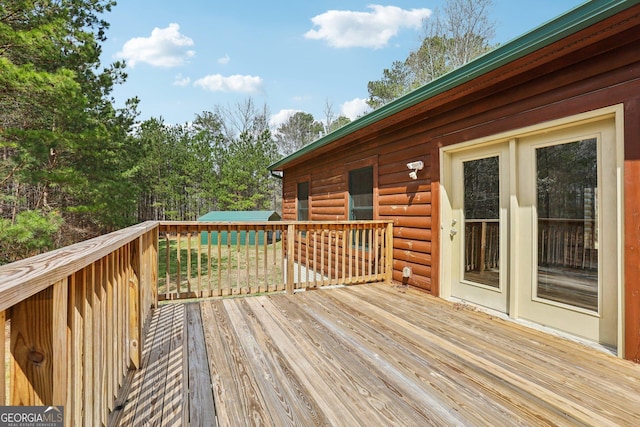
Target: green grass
[(233, 267)]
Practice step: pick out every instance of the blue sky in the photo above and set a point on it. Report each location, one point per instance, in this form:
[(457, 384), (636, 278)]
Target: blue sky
[(184, 58)]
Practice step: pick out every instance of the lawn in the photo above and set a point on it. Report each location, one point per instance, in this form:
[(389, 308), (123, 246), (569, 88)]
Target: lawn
[(218, 269)]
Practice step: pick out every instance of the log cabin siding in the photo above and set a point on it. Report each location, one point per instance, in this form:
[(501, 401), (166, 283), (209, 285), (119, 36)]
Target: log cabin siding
[(405, 201), (289, 192), (632, 229), (594, 68)]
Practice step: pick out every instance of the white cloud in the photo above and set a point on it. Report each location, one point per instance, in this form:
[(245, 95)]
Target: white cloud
[(235, 83), (166, 47), (224, 60), (301, 98), (374, 29), (355, 108), (181, 81), (281, 117)]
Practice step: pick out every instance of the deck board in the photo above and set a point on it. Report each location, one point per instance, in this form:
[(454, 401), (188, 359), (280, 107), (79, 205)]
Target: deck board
[(324, 406), (371, 355), (236, 393), (174, 406), (202, 408), (518, 350), (364, 387)]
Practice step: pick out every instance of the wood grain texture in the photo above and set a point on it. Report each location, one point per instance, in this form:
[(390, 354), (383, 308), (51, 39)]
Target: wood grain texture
[(201, 405), (60, 393), (176, 392), (632, 227), (161, 392), (76, 337), (139, 400), (387, 355), (3, 360), (74, 341), (237, 396), (21, 279), (89, 347), (32, 350), (100, 410)]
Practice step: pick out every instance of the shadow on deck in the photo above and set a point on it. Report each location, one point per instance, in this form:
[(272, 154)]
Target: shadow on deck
[(368, 355)]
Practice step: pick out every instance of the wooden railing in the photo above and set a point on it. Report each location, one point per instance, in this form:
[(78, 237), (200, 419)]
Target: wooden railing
[(567, 243), (482, 244), (74, 319), (208, 259)]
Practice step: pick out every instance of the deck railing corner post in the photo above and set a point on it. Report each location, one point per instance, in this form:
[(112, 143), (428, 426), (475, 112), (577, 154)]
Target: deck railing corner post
[(291, 239), (389, 254), (154, 249)]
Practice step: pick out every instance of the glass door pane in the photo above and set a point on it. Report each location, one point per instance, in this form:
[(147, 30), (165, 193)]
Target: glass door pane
[(567, 188), (482, 221)]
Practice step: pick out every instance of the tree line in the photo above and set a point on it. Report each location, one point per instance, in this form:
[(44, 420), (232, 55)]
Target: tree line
[(73, 166)]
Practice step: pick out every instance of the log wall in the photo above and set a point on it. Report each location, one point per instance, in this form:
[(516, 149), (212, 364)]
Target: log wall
[(397, 197)]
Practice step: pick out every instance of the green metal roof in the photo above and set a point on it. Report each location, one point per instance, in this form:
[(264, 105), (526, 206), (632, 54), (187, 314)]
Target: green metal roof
[(240, 216), (566, 24)]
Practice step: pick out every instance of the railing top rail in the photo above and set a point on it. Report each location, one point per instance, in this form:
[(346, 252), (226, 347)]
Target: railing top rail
[(363, 222), (21, 279), (270, 223), (574, 220)]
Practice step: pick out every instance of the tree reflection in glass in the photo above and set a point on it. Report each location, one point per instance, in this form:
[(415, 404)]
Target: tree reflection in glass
[(567, 211), (482, 221)]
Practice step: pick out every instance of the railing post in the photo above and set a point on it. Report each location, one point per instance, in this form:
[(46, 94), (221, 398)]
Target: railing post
[(61, 395), (3, 374), (389, 254), (136, 298), (483, 246), (143, 289), (291, 239), (152, 259), (39, 348)]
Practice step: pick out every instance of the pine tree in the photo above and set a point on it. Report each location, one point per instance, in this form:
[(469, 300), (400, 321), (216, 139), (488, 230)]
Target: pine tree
[(64, 146)]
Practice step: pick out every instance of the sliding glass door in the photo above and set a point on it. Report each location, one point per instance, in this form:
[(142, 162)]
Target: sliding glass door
[(532, 227)]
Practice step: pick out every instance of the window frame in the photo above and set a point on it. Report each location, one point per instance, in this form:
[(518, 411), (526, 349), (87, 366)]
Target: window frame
[(361, 164), (300, 209), (371, 162), (352, 208)]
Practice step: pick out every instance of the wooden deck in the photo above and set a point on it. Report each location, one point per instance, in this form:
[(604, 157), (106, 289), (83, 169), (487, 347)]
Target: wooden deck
[(370, 355)]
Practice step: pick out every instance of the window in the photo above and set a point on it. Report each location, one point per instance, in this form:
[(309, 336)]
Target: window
[(361, 194), (303, 201)]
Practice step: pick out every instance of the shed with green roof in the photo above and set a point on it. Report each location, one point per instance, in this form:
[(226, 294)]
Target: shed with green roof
[(238, 216)]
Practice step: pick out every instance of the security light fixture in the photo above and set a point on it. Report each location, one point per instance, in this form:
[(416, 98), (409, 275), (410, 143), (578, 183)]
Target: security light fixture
[(415, 167)]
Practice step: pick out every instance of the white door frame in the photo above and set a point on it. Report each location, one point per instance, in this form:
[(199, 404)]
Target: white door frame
[(616, 113), (496, 298)]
